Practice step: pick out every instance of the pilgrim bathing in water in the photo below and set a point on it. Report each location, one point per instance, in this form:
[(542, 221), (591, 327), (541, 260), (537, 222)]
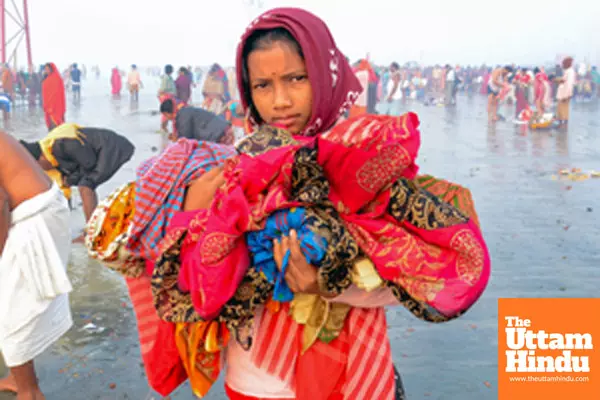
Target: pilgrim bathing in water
[(495, 86)]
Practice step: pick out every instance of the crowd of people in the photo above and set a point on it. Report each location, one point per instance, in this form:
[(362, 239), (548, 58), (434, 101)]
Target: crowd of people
[(266, 239), (535, 91)]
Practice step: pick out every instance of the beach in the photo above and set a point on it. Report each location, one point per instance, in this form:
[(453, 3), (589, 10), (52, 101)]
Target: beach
[(541, 230)]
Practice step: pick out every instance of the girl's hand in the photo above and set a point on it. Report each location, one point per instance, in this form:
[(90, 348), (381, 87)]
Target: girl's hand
[(300, 276), (201, 192)]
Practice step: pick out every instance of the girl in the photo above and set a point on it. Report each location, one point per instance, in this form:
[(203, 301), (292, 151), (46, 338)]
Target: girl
[(293, 77)]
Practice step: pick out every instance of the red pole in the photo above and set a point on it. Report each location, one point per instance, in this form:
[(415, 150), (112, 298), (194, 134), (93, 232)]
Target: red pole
[(27, 35), (3, 30)]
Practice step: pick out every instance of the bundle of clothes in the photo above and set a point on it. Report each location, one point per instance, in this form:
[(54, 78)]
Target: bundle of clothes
[(368, 219)]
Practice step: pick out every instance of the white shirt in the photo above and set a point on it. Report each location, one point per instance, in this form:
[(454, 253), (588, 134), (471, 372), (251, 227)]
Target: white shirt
[(565, 89)]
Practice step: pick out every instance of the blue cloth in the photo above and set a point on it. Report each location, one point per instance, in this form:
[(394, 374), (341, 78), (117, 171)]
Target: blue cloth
[(5, 103), (279, 224)]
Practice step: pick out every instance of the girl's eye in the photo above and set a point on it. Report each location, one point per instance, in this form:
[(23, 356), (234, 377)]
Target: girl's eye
[(299, 78), (260, 86)]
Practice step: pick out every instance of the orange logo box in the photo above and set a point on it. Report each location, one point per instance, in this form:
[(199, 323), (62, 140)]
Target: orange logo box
[(548, 349)]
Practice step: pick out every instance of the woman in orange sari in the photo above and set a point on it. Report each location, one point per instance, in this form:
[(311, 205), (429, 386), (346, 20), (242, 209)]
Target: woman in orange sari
[(53, 97), (8, 82)]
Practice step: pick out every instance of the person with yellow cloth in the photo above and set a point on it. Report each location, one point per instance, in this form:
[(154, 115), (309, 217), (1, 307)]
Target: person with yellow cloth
[(86, 158), (58, 178)]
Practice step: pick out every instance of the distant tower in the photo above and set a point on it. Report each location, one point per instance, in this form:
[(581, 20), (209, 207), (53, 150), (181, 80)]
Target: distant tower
[(14, 27)]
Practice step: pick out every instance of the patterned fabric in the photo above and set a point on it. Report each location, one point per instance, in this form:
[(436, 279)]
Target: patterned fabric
[(160, 189), (109, 228), (450, 193), (418, 211), (437, 255), (155, 197), (280, 223), (200, 347), (340, 177)]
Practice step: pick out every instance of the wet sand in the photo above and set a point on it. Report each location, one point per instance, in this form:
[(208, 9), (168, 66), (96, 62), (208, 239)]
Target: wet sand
[(542, 234)]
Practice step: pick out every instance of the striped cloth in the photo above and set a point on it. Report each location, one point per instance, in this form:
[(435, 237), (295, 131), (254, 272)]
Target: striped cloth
[(160, 189), (357, 365)]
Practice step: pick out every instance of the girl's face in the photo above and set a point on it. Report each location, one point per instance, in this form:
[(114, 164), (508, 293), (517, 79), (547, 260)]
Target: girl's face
[(279, 86)]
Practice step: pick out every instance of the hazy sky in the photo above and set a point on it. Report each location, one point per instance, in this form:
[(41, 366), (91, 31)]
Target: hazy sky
[(121, 32)]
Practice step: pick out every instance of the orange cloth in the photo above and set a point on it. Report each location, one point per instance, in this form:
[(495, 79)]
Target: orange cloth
[(200, 346), (364, 65), (356, 111), (7, 82)]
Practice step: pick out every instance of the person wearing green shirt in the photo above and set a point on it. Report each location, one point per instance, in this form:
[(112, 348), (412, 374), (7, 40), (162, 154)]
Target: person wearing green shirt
[(167, 84), (166, 91)]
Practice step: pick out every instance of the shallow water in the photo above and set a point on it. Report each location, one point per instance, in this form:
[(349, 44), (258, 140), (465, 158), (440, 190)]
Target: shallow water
[(542, 233)]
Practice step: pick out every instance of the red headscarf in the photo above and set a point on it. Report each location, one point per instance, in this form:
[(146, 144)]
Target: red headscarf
[(53, 94), (326, 65)]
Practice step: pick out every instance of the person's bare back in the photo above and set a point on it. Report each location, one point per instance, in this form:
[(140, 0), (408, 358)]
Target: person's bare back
[(21, 178), (496, 76)]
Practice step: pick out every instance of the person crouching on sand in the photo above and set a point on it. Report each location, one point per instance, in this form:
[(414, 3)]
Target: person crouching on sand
[(87, 157)]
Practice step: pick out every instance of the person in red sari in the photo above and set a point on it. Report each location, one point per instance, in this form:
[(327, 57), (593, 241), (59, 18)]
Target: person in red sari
[(53, 95), (116, 82), (521, 81), (540, 86)]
